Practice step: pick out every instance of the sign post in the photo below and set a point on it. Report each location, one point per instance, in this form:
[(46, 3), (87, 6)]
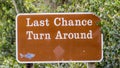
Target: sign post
[(91, 65), (58, 37), (29, 65)]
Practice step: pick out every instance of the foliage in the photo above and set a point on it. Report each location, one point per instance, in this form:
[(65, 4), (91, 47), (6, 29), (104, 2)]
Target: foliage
[(7, 30), (108, 10)]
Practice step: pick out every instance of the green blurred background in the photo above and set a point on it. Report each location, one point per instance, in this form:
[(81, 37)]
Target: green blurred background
[(107, 10)]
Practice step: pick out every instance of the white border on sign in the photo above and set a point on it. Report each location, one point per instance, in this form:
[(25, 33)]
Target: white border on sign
[(55, 61)]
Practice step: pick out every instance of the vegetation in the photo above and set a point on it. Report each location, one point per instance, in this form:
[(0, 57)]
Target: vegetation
[(107, 10)]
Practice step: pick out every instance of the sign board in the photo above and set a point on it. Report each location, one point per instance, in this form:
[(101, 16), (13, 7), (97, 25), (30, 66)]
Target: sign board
[(58, 37)]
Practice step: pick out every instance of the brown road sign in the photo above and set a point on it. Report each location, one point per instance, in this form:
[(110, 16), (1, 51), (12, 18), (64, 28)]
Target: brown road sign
[(58, 37)]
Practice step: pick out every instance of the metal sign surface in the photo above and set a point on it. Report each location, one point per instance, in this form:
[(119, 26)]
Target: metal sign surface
[(58, 37)]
